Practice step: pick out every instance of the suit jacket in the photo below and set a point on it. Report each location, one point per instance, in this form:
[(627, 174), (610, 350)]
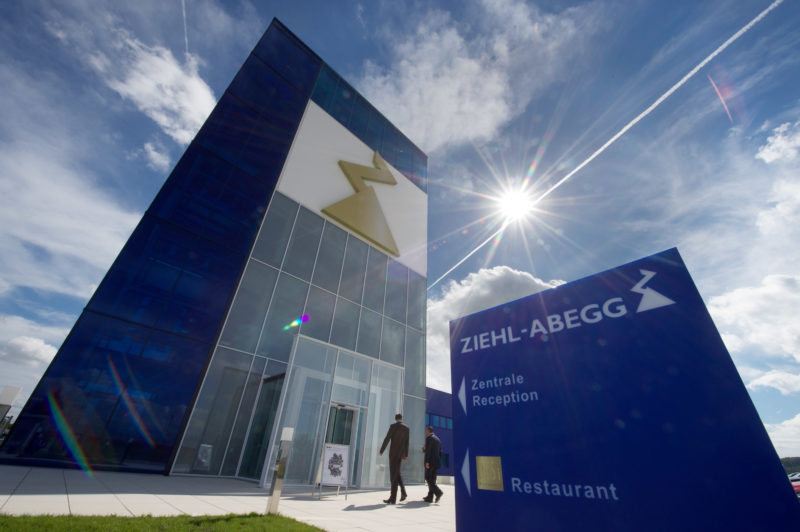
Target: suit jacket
[(433, 451), (398, 436)]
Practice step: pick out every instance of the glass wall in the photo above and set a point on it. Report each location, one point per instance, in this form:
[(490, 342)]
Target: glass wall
[(315, 286), (385, 400), (365, 393)]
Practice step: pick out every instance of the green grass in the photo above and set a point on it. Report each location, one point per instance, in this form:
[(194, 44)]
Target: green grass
[(148, 523)]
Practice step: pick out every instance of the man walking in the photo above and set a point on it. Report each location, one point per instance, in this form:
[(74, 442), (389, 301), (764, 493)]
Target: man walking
[(433, 453), (398, 452)]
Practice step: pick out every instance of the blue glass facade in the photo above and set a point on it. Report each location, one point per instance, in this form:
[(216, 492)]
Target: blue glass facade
[(439, 415), (119, 393)]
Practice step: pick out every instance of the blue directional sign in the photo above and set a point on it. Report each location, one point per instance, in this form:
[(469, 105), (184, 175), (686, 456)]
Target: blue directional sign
[(609, 403)]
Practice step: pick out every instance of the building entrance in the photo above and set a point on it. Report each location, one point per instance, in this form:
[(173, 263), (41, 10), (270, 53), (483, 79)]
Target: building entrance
[(345, 428), (335, 396)]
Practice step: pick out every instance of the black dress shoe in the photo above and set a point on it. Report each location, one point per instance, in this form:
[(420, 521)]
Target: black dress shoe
[(439, 497), (427, 499), (402, 497), (388, 501)]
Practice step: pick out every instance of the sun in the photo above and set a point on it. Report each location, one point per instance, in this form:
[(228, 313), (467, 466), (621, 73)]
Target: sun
[(514, 205)]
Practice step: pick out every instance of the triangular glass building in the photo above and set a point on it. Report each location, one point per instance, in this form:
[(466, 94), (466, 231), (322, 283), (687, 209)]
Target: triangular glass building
[(276, 281)]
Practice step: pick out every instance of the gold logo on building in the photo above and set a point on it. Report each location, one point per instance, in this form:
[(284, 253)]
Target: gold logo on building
[(490, 473), (362, 212)]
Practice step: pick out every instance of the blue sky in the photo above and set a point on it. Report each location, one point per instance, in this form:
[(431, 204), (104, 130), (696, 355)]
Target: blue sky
[(101, 98)]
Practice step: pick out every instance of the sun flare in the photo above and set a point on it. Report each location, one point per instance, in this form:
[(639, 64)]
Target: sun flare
[(514, 205)]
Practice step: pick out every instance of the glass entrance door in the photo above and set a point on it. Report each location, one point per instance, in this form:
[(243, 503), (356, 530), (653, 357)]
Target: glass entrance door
[(340, 425), (344, 428)]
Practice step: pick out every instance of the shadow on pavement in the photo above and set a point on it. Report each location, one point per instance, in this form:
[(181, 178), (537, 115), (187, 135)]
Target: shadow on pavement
[(415, 504), (354, 508)]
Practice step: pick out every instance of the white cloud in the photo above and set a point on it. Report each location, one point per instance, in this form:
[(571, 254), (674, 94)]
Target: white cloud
[(59, 232), (157, 157), (16, 326), (27, 351), (782, 145), (26, 347), (785, 436), (169, 92), (172, 94), (485, 289), (784, 382), (762, 317), (783, 217), (447, 86)]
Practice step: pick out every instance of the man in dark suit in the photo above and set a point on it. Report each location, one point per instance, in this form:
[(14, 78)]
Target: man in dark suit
[(433, 453), (398, 452)]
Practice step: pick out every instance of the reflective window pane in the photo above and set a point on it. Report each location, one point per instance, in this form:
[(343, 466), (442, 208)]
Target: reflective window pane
[(385, 400), (342, 102), (319, 309), (360, 116), (303, 244), (305, 408), (345, 324), (414, 417), (355, 264), (289, 57), (396, 291), (329, 260), (325, 87), (393, 341), (246, 316), (287, 306), (270, 246), (415, 363), (215, 410), (376, 280), (243, 417), (261, 425), (351, 380), (369, 333), (261, 88), (417, 302)]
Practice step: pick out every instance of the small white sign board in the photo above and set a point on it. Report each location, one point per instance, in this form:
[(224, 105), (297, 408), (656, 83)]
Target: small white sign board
[(335, 465)]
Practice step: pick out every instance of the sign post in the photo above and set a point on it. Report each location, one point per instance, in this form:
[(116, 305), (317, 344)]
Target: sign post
[(287, 434), (609, 403)]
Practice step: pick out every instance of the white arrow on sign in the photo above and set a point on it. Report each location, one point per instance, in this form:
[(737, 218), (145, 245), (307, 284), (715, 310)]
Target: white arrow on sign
[(462, 395), (650, 298), (465, 473)]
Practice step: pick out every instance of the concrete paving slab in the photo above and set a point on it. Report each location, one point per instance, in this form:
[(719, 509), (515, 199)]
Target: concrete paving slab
[(88, 495), (139, 504), (37, 491), (9, 481)]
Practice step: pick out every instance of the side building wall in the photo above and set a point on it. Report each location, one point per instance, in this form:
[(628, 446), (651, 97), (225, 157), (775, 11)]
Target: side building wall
[(439, 415)]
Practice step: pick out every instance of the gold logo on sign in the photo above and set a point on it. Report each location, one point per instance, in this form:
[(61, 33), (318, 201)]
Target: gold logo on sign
[(362, 212), (490, 473)]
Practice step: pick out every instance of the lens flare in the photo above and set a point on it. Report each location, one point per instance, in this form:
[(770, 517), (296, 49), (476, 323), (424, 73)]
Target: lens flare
[(67, 436), (132, 410), (296, 323), (721, 98)]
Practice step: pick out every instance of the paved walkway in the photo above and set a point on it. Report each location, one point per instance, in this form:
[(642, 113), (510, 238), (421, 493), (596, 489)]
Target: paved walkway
[(36, 491)]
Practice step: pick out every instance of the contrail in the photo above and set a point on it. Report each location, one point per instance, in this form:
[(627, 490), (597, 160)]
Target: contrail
[(185, 34), (629, 125), (468, 255), (663, 97)]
